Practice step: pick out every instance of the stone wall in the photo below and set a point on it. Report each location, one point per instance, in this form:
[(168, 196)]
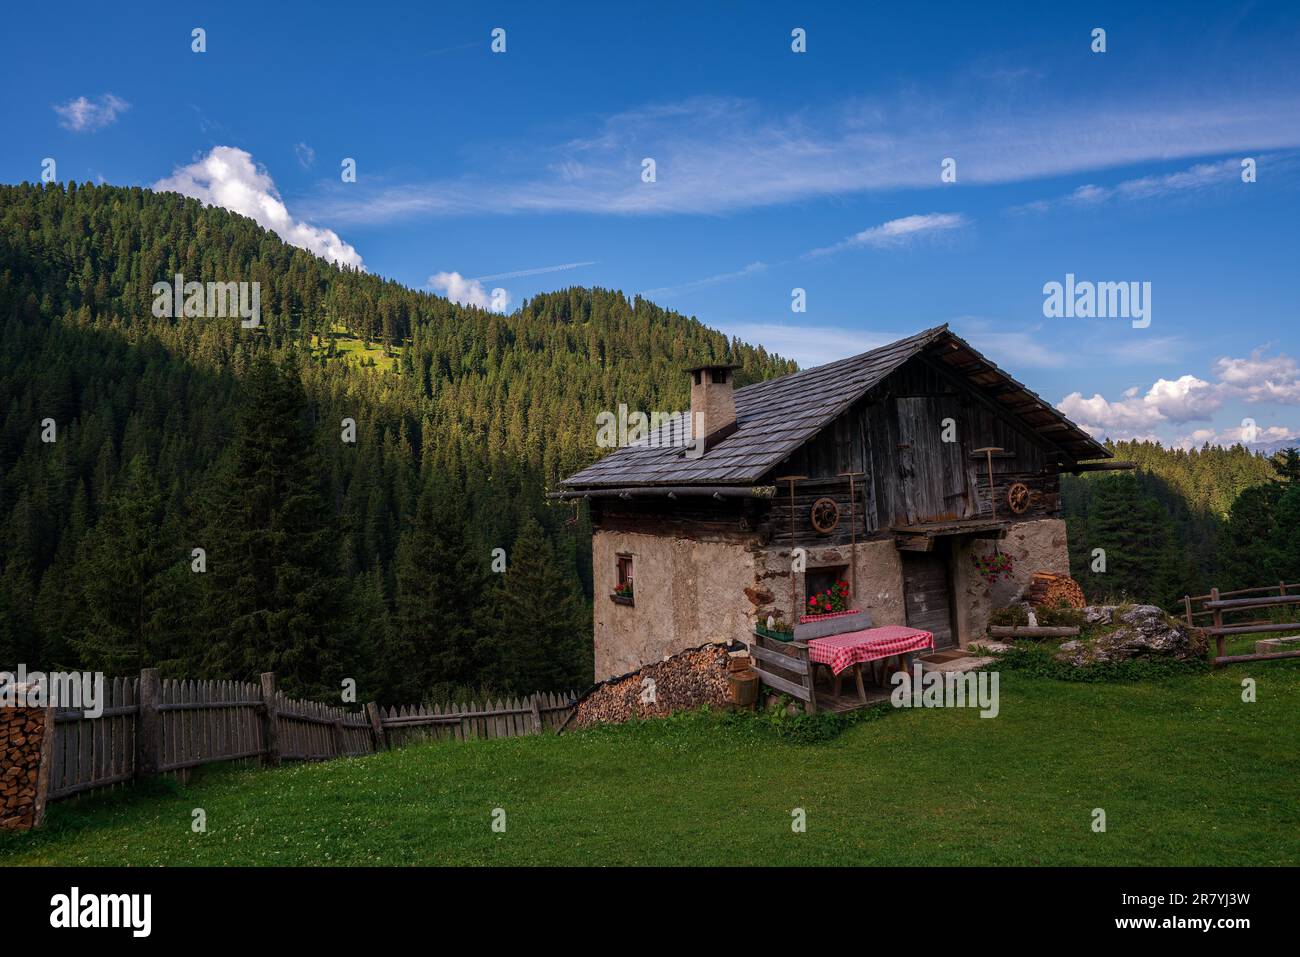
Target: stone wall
[(685, 593), (877, 577), (689, 592), (1036, 546), (26, 746)]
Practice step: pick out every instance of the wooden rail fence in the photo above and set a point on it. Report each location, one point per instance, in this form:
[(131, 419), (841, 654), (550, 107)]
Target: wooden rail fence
[(151, 726), (1216, 605)]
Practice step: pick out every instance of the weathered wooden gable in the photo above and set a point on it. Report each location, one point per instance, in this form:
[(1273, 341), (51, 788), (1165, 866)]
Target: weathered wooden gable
[(894, 437)]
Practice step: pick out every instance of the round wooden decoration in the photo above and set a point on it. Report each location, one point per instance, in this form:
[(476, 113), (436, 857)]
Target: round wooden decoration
[(825, 515), (1018, 498)]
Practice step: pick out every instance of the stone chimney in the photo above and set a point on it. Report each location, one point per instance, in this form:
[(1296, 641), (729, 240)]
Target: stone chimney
[(713, 403)]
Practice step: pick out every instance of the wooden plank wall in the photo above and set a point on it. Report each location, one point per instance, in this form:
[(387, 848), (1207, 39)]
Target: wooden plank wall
[(775, 525), (892, 435)]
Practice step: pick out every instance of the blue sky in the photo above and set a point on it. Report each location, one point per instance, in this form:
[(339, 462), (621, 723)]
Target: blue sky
[(522, 171)]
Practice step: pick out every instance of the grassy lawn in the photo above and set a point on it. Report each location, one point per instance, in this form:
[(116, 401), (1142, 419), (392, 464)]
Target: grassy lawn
[(1186, 772)]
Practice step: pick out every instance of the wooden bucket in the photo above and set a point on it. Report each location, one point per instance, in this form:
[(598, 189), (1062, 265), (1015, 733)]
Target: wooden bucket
[(744, 687)]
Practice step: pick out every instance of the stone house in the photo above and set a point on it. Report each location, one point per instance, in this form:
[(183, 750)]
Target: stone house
[(890, 453)]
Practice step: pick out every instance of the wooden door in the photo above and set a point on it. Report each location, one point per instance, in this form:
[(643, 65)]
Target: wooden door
[(927, 594), (931, 471)]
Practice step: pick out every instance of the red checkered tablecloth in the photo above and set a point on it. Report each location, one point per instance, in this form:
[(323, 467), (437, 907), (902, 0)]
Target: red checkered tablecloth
[(856, 647)]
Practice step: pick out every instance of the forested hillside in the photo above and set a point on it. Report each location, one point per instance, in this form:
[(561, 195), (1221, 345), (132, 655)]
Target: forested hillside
[(1184, 521), (326, 559), (322, 559)]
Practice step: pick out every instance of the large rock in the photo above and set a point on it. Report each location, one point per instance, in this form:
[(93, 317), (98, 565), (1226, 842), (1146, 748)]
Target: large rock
[(1145, 633), (1099, 614)]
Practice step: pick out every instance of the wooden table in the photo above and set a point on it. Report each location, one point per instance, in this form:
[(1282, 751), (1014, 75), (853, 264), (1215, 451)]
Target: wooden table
[(850, 651)]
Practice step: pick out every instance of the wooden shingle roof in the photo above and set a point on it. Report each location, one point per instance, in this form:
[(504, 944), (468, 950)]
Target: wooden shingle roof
[(778, 416)]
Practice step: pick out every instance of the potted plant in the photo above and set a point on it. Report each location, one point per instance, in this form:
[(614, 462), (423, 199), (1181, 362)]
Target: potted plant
[(775, 628), (623, 592)]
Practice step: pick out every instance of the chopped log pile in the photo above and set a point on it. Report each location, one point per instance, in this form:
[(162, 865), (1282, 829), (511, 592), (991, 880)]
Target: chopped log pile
[(22, 736), (686, 680), (1055, 590)]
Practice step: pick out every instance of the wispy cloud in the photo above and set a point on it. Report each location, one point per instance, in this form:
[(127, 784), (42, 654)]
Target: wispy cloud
[(540, 270), (810, 345), (469, 292), (717, 155), (667, 292), (1198, 178), (83, 115), (1009, 345), (229, 177), (306, 155), (896, 232)]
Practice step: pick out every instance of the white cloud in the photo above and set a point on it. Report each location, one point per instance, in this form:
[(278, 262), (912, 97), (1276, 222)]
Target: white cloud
[(469, 292), (83, 116), (897, 232), (1258, 379), (1185, 399), (1270, 437), (306, 155), (719, 154), (1262, 378), (228, 177)]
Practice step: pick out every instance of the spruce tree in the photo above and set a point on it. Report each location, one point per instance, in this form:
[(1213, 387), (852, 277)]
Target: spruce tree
[(272, 592), (127, 607), (1134, 531), (443, 594), (541, 642)]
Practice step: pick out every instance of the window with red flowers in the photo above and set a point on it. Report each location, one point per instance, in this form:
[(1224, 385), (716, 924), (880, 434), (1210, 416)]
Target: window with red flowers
[(826, 590), (623, 578)]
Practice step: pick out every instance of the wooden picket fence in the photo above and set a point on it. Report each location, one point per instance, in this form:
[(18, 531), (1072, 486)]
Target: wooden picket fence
[(507, 718), (150, 726)]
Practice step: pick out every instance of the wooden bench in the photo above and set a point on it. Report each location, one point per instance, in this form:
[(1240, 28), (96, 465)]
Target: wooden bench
[(786, 667)]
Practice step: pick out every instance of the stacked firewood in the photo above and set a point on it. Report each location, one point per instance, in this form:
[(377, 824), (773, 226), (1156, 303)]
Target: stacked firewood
[(1055, 590), (22, 731), (686, 680)]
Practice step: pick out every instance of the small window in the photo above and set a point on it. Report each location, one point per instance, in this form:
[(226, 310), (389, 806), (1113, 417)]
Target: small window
[(623, 578), (719, 376)]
